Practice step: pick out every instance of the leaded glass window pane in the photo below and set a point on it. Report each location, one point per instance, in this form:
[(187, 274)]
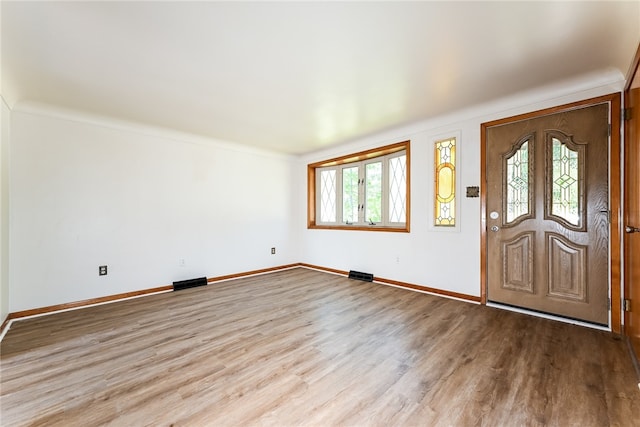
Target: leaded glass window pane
[(445, 182), (565, 183), (517, 183), (350, 195), (328, 195), (398, 188), (373, 200)]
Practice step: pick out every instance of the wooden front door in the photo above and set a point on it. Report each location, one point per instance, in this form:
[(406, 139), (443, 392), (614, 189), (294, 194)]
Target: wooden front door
[(547, 213), (632, 211)]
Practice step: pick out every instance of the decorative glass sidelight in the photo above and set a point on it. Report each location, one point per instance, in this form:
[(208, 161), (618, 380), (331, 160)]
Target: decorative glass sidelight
[(445, 171), (517, 183), (565, 182)]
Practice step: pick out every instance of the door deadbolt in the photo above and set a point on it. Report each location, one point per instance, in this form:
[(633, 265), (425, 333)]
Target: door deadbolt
[(495, 228)]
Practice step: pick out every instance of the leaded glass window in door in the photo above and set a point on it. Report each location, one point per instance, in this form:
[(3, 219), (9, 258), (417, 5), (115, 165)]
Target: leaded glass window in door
[(564, 181), (518, 183)]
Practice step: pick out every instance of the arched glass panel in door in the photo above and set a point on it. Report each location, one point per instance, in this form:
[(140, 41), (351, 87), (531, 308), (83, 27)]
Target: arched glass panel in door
[(565, 181), (518, 182)]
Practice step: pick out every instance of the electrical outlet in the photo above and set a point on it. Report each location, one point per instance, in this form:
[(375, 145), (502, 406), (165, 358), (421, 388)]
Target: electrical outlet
[(102, 270), (273, 251), (182, 262)]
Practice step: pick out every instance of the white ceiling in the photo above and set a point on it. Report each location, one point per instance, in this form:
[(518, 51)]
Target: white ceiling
[(298, 76)]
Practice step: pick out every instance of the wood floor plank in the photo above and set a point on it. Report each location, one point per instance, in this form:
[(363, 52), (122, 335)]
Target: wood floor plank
[(307, 348)]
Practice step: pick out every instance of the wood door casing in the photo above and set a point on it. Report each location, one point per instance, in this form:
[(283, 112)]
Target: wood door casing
[(539, 260), (631, 214)]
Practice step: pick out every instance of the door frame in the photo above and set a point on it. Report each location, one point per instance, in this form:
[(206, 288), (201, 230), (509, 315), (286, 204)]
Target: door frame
[(634, 72), (615, 240)]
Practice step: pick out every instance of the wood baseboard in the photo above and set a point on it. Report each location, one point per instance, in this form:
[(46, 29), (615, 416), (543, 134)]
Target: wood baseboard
[(117, 297), (87, 302), (440, 292), (5, 323), (80, 304), (327, 269), (251, 273), (405, 285)]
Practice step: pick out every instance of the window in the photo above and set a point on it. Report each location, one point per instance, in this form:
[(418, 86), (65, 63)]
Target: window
[(445, 183), (518, 182), (565, 184), (362, 191)]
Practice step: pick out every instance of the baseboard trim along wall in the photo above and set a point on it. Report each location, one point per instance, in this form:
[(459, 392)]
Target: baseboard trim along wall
[(251, 273), (169, 288), (80, 304), (118, 297), (85, 303), (396, 283)]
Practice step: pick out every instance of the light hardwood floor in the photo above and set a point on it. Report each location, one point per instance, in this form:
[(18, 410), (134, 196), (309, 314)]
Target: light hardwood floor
[(307, 348)]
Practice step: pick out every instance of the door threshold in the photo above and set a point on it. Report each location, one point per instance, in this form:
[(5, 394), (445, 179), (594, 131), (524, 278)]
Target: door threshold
[(548, 316)]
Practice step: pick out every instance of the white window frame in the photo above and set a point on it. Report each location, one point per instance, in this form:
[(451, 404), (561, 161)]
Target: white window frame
[(361, 160)]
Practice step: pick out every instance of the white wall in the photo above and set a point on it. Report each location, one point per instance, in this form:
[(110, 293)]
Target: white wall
[(4, 210), (444, 259), (88, 192)]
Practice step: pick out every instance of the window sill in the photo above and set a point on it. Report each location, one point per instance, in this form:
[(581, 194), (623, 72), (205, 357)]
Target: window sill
[(404, 229)]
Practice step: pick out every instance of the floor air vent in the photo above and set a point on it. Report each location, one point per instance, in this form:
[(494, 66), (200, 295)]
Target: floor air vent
[(191, 283), (358, 275)]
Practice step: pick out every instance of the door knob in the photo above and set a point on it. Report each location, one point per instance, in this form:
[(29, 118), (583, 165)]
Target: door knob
[(630, 229)]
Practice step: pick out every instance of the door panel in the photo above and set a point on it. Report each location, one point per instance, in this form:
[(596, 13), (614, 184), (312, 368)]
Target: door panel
[(632, 214), (567, 264), (518, 263), (547, 213)]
